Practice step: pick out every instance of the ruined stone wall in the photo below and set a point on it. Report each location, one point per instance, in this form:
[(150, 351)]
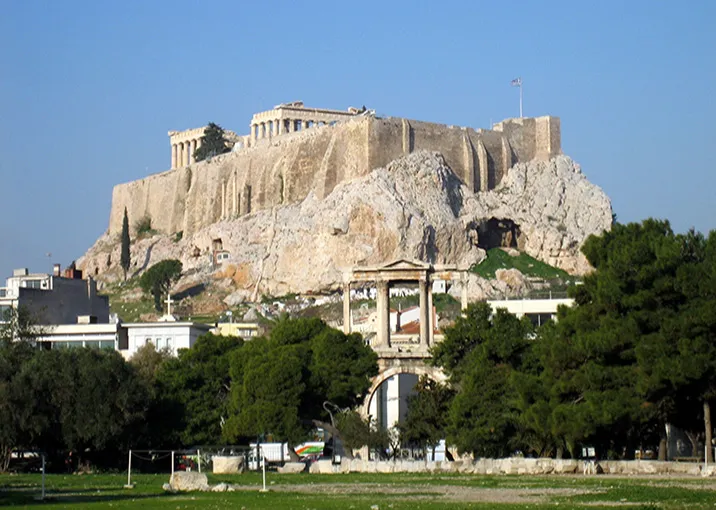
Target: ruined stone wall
[(285, 169)]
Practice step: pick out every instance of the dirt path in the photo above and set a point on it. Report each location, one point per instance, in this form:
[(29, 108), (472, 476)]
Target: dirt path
[(452, 493)]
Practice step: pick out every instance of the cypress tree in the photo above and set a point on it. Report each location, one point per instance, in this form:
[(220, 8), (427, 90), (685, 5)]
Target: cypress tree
[(125, 258), (212, 143)]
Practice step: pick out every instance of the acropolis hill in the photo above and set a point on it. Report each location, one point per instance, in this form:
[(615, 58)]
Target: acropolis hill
[(331, 188)]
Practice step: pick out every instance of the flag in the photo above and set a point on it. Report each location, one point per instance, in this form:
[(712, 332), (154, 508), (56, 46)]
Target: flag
[(517, 82)]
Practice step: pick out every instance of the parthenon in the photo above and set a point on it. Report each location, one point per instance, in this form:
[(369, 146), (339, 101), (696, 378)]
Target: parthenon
[(290, 117), (283, 118)]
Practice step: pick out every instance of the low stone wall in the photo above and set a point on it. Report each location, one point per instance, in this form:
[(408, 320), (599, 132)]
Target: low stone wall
[(512, 466)]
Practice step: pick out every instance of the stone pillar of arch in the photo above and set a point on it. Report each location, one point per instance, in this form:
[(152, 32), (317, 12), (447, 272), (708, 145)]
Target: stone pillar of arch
[(174, 155), (383, 305), (431, 326), (424, 324), (347, 308)]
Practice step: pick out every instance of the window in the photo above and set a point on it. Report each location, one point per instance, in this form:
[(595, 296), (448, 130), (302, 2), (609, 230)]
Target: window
[(148, 341), (3, 292), (94, 344), (160, 343), (66, 344), (33, 284), (5, 313), (169, 343), (106, 344), (538, 319)]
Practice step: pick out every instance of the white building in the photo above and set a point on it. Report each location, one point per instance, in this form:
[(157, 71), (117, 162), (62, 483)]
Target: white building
[(539, 311), (64, 336), (127, 338), (54, 298), (172, 335)]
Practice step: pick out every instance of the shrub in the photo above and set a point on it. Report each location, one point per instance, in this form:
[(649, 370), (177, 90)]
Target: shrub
[(143, 225)]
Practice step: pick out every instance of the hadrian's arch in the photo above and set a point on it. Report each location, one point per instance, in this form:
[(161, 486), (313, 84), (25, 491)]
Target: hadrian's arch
[(416, 367), (402, 354)]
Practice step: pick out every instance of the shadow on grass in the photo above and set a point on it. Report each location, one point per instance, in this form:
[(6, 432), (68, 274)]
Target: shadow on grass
[(81, 496)]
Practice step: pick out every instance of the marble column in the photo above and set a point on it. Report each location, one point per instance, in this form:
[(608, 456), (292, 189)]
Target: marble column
[(192, 148), (347, 308), (423, 291), (291, 125), (383, 305), (174, 155), (181, 155)]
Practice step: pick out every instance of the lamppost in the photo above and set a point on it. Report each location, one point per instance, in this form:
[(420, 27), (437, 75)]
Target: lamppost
[(328, 405)]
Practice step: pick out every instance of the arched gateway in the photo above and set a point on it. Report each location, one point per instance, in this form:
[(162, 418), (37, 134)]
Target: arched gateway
[(401, 354), (390, 367)]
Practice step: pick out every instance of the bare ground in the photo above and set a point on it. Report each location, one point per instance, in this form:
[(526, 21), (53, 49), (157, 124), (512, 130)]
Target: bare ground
[(450, 493)]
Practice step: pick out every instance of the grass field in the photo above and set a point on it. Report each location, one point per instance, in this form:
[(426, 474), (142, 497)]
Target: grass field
[(364, 491)]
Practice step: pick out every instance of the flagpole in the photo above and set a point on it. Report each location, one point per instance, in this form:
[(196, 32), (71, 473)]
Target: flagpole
[(520, 99)]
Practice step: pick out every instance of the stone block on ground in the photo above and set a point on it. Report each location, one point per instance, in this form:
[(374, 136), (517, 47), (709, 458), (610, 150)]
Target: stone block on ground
[(188, 481), (224, 465)]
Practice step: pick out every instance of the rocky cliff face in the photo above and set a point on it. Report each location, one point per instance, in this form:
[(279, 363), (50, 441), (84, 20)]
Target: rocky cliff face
[(415, 208)]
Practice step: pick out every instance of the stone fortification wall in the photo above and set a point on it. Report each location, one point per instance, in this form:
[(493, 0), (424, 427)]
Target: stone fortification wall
[(286, 169)]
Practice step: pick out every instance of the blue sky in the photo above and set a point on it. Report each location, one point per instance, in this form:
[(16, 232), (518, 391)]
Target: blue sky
[(89, 89)]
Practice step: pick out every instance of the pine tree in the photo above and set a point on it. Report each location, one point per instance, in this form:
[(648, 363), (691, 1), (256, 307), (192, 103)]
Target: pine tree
[(125, 259), (212, 143)]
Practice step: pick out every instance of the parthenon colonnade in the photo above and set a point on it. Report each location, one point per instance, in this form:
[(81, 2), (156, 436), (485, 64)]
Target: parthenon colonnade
[(290, 117)]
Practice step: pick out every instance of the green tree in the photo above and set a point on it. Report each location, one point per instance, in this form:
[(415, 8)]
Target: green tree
[(158, 279), (148, 360), (88, 401), (13, 355), (125, 257), (426, 421), (600, 379), (480, 352), (19, 324), (678, 363), (279, 384), (355, 432), (198, 380), (213, 142)]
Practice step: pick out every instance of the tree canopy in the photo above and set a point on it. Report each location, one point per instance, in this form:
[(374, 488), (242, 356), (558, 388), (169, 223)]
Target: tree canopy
[(213, 142), (196, 386), (158, 279), (635, 353), (279, 384), (125, 259)]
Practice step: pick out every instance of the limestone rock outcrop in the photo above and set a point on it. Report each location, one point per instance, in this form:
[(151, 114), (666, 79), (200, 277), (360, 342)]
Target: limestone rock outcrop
[(414, 208)]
